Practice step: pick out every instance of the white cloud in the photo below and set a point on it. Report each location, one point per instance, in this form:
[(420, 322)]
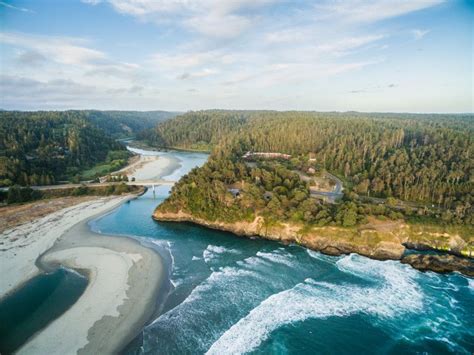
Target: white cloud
[(346, 44), (70, 70), (70, 53), (9, 6), (60, 49), (371, 10), (212, 18), (289, 35), (219, 25), (198, 74), (419, 34), (31, 57), (226, 53)]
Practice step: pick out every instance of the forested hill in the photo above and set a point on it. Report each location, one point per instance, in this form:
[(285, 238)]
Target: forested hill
[(41, 148), (122, 124), (426, 158)]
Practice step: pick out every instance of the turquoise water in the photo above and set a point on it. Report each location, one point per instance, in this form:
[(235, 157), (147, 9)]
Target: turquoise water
[(234, 295), (36, 304)]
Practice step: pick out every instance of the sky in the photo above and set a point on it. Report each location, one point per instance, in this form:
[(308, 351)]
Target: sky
[(180, 55)]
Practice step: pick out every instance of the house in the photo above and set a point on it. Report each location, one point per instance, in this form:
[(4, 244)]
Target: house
[(265, 155), (234, 192)]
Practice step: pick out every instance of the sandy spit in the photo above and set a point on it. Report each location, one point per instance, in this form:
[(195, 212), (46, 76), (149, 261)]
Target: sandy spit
[(22, 245), (124, 279), (151, 167)]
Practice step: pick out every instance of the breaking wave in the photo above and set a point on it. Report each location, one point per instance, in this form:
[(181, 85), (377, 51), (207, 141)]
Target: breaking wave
[(212, 252), (396, 293)]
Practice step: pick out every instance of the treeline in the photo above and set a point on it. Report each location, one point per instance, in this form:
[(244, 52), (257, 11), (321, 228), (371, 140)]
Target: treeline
[(41, 148), (422, 158), (124, 124), (19, 194), (44, 147), (196, 130)]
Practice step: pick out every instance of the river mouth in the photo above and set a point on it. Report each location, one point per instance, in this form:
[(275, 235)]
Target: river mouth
[(35, 305), (231, 294)]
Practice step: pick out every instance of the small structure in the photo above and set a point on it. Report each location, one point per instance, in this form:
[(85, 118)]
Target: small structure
[(234, 192), (103, 179), (312, 157), (265, 155)]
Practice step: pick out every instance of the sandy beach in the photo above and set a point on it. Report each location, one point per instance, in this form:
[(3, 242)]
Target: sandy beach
[(22, 245), (124, 278), (151, 167)]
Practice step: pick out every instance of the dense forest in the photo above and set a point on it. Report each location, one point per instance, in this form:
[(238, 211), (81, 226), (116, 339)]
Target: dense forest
[(273, 190), (44, 147), (421, 158), (125, 124), (270, 190)]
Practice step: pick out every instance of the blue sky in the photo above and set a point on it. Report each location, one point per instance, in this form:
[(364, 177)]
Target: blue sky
[(387, 55)]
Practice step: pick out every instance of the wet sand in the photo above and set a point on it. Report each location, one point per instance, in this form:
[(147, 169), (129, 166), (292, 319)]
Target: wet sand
[(124, 279)]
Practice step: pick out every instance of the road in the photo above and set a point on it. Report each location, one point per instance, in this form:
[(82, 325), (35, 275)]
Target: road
[(70, 186), (330, 196)]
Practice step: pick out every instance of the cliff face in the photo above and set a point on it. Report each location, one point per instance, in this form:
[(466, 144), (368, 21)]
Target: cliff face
[(440, 263), (381, 240), (369, 241)]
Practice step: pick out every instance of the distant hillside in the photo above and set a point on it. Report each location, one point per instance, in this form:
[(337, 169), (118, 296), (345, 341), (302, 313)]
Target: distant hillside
[(40, 148), (122, 124)]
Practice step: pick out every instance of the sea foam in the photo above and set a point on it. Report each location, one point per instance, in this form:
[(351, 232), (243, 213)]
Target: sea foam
[(394, 294), (213, 251)]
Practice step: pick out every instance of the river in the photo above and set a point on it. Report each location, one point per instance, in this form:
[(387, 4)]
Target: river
[(229, 294)]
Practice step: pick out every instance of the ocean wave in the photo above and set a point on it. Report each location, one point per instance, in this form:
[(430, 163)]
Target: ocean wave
[(396, 293), (164, 246), (318, 256), (252, 262), (470, 284), (176, 282), (197, 321), (277, 257), (213, 251)]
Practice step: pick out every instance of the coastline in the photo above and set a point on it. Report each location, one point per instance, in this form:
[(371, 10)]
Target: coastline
[(124, 279), (332, 241), (375, 244)]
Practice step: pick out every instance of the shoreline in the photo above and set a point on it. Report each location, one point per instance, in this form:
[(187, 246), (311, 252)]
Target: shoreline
[(24, 244), (151, 167), (124, 280), (383, 250)]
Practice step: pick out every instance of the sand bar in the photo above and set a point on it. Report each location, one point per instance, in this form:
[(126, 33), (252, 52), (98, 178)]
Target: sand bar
[(22, 245), (151, 167), (124, 279)]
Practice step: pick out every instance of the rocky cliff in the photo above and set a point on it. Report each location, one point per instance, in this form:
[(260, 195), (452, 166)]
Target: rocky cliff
[(378, 239)]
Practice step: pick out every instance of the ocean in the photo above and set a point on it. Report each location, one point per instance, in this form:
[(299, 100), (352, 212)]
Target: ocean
[(229, 294)]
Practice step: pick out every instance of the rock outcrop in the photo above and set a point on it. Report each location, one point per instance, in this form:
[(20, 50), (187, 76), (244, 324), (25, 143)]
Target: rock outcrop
[(329, 240), (382, 240), (440, 263)]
